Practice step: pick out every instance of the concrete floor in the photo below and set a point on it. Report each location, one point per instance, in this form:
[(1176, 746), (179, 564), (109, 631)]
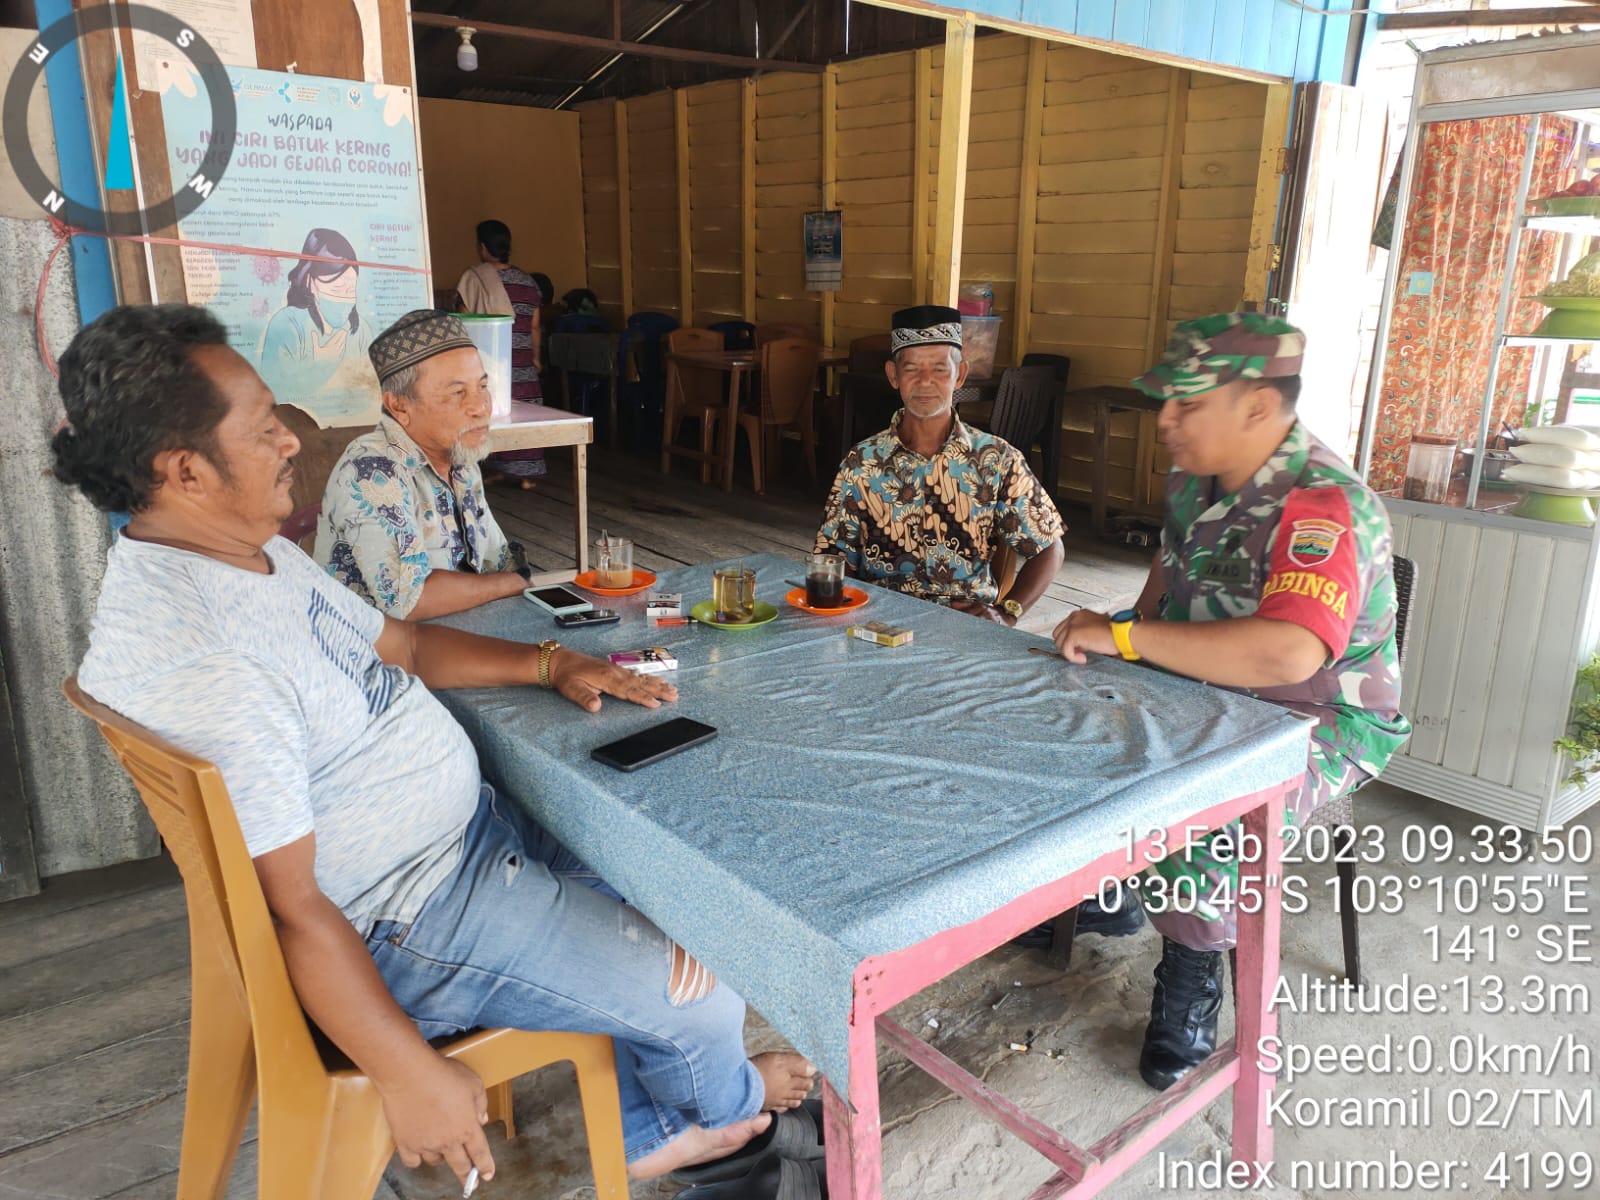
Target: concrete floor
[(93, 1009)]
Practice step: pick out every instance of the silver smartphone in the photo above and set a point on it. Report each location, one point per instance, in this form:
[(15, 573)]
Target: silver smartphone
[(557, 600)]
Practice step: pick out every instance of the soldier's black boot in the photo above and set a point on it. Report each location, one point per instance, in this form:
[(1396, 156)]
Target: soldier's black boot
[(1183, 1014)]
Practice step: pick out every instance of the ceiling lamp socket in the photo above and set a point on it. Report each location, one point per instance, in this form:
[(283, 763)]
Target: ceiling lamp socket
[(466, 53)]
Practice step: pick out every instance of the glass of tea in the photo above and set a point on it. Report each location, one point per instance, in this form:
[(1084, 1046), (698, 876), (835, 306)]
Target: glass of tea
[(733, 594), (824, 581), (613, 562)]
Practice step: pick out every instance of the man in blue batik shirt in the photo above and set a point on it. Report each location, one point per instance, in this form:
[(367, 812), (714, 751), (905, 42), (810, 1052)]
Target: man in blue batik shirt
[(924, 506)]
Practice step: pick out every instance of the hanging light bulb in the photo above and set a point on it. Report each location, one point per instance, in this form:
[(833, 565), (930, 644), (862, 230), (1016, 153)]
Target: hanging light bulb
[(466, 53)]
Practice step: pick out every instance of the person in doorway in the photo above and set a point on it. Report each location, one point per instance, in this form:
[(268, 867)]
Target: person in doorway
[(495, 287), (409, 899), (1273, 579), (318, 340), (925, 506), (405, 523)]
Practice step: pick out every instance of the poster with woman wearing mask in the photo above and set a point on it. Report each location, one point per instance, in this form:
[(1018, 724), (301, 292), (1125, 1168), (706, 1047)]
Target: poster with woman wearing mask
[(324, 173)]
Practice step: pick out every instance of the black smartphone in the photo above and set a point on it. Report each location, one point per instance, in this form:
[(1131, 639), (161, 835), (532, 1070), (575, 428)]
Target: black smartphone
[(653, 744), (595, 616)]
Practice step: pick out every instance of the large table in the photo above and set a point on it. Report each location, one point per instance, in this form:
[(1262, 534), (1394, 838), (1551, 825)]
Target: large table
[(869, 820), (539, 427)]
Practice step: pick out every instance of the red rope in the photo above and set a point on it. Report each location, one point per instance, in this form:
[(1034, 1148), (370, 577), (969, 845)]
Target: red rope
[(65, 233)]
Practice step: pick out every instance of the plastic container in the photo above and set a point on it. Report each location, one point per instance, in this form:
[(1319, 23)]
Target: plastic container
[(975, 299), (1428, 466), (492, 336), (980, 339)]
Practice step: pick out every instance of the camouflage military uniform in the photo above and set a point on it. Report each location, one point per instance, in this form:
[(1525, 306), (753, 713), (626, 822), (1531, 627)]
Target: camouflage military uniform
[(1303, 541)]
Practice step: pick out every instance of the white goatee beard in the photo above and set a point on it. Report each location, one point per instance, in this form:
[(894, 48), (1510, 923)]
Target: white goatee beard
[(464, 456)]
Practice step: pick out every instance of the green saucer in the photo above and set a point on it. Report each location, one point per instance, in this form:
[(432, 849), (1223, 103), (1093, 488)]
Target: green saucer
[(764, 612)]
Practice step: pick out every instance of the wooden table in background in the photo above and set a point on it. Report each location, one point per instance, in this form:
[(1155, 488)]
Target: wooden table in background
[(738, 364), (537, 427), (1106, 400)]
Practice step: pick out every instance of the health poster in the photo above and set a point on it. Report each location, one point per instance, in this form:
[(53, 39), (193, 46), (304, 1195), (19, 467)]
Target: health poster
[(824, 239), (326, 168)]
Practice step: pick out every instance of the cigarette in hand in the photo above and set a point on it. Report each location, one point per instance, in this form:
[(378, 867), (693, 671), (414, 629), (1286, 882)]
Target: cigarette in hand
[(471, 1185)]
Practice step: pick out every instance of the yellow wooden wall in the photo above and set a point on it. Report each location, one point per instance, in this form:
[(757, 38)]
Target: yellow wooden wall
[(1140, 179)]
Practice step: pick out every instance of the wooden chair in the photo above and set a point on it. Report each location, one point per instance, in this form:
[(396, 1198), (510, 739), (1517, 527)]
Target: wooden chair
[(776, 333), (695, 394), (322, 1131), (788, 381), (1338, 812)]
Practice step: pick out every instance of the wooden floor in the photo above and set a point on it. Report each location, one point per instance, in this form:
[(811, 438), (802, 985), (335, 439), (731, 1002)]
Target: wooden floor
[(94, 1005)]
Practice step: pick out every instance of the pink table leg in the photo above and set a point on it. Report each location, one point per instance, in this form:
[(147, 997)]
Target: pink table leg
[(854, 1130), (1260, 878)]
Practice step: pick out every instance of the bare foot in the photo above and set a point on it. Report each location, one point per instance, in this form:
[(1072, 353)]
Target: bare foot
[(788, 1078), (697, 1145)]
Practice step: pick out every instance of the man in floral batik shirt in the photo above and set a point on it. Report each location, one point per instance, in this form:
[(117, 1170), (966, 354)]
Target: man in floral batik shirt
[(924, 506), (405, 524), (1274, 579)]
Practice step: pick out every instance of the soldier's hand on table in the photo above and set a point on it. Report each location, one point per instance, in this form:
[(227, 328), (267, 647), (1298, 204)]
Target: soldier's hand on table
[(438, 1116), (1085, 633), (987, 611), (583, 680)]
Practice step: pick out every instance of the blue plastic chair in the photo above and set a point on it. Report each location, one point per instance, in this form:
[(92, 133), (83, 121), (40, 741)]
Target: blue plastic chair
[(641, 399), (736, 335)]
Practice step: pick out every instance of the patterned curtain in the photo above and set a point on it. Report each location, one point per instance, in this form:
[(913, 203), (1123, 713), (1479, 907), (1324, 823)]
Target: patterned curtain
[(1457, 231)]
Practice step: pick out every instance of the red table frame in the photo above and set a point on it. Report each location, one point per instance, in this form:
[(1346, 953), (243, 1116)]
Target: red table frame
[(854, 1136)]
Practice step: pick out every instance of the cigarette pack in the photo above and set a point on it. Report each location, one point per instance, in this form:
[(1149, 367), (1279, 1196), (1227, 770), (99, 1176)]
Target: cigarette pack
[(650, 661), (881, 633), (663, 604)]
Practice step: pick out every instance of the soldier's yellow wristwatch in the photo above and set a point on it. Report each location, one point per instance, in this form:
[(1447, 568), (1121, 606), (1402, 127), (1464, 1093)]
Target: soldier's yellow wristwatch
[(1121, 624)]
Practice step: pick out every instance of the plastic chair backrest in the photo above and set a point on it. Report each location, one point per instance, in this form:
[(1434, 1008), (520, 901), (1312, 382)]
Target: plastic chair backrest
[(868, 354), (1022, 408), (1405, 583), (774, 332), (695, 388), (300, 523), (642, 337), (788, 377), (736, 335), (1061, 363), (189, 802), (580, 323)]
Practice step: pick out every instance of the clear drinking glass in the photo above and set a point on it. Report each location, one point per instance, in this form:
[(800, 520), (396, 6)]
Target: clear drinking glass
[(824, 581), (613, 562), (733, 595)]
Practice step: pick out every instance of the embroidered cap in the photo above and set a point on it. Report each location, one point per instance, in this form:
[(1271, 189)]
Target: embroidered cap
[(925, 325), (418, 335), (1207, 352)]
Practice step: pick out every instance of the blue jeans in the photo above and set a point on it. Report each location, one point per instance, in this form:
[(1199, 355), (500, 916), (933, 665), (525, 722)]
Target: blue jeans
[(522, 935)]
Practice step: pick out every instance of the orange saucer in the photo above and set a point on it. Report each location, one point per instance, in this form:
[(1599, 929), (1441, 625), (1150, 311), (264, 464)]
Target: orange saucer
[(854, 598), (641, 580)]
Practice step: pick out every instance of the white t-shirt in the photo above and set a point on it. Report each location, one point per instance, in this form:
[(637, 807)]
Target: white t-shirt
[(275, 680)]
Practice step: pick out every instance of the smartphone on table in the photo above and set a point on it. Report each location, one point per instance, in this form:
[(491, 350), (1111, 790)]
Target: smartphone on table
[(653, 744), (595, 616), (557, 600)]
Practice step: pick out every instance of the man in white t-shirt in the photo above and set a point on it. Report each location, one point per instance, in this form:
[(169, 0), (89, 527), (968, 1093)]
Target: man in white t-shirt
[(410, 901)]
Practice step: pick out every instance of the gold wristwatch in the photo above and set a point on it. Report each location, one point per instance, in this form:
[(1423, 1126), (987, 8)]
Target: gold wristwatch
[(1121, 625), (547, 650), (1012, 609)]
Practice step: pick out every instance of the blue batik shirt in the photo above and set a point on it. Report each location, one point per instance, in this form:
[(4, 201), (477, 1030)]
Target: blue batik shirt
[(389, 519), (929, 526)]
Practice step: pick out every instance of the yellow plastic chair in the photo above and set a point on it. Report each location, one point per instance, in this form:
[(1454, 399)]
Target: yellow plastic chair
[(322, 1131)]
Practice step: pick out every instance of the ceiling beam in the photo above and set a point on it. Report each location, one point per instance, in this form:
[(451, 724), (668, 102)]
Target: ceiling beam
[(1566, 14), (643, 49)]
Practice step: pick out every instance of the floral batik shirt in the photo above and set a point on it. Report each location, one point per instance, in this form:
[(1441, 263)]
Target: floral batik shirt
[(389, 518), (929, 526)]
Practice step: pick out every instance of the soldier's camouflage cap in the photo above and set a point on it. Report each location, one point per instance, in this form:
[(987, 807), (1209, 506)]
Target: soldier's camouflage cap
[(1207, 352)]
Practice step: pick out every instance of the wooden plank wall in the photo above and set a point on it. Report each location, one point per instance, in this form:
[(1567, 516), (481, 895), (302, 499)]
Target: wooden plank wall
[(1141, 179), (601, 228), (653, 203), (788, 184), (717, 221)]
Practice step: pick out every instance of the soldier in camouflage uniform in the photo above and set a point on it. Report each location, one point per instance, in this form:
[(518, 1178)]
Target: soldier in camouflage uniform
[(1273, 579)]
